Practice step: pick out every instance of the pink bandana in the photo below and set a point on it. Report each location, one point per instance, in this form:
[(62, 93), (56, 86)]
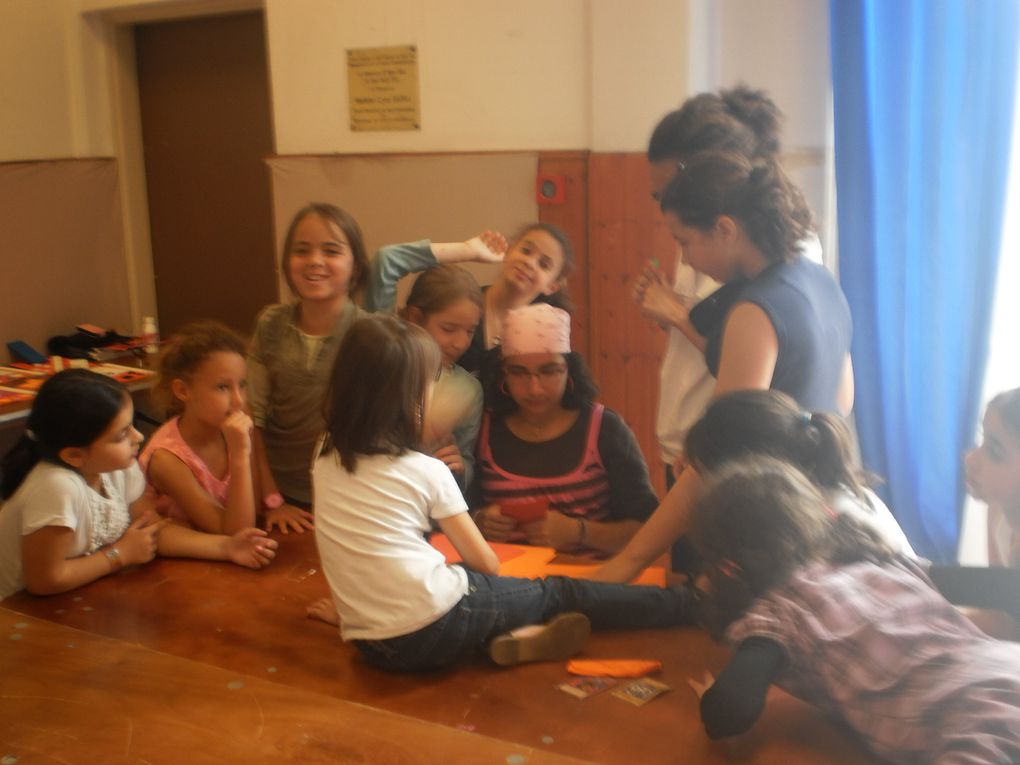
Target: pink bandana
[(536, 328)]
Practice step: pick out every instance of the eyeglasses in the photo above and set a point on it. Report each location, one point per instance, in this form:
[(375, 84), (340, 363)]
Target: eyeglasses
[(546, 375)]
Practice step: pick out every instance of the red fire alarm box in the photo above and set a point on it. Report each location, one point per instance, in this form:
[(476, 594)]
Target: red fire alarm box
[(551, 189)]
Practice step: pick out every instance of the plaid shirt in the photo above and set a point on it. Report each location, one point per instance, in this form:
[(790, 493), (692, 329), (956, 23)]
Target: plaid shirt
[(880, 648)]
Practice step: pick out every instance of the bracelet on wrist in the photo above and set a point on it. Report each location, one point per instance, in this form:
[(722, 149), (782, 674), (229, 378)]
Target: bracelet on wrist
[(113, 555)]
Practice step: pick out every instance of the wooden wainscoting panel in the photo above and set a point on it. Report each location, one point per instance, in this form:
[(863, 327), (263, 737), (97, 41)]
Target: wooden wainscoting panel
[(625, 232)]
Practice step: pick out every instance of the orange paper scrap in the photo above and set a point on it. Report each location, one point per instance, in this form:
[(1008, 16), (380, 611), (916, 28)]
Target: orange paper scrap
[(613, 667)]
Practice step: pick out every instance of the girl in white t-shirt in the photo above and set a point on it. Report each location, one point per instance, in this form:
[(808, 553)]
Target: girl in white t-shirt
[(73, 510), (393, 594)]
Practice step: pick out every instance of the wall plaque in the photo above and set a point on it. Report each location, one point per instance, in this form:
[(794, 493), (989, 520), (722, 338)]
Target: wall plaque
[(383, 87)]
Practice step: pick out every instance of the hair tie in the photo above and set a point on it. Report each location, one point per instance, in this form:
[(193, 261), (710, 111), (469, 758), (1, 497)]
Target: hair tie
[(833, 515), (31, 435)]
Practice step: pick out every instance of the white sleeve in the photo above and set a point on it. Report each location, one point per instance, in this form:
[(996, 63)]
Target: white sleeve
[(50, 499), (446, 499)]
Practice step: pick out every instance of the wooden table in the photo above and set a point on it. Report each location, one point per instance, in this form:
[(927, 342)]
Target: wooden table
[(252, 625)]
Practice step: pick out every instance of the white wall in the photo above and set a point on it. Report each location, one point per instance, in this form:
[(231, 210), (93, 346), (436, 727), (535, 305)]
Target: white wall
[(533, 74), (781, 46)]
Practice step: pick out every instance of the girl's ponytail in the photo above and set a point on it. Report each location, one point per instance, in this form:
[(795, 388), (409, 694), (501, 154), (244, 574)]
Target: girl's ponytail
[(17, 464), (826, 453)]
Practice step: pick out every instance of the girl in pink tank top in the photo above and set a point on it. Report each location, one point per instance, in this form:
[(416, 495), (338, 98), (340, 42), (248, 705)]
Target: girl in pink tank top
[(555, 468), (199, 464)]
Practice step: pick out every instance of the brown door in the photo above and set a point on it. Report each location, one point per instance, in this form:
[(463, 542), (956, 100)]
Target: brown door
[(204, 93)]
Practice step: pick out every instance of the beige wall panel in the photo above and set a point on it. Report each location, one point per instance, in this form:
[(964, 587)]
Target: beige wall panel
[(403, 198), (64, 252)]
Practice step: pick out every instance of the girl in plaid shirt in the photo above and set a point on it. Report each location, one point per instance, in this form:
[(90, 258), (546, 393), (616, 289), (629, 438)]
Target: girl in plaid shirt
[(816, 602)]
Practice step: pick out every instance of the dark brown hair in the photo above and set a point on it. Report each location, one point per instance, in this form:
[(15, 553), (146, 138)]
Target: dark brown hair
[(442, 286), (71, 409), (375, 401), (188, 348), (757, 522), (581, 393), (740, 119), (1007, 406), (760, 197), (345, 222), (770, 423)]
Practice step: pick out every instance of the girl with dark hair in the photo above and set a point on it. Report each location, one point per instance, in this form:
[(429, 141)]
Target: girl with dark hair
[(769, 423), (376, 496), (546, 440), (780, 322), (535, 268), (993, 476), (740, 120), (292, 350), (74, 510), (815, 602)]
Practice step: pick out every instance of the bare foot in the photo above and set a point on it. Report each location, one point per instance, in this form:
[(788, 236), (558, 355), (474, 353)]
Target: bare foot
[(324, 610), (250, 548)]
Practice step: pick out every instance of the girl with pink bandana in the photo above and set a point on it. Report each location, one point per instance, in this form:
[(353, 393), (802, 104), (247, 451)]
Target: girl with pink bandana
[(555, 467)]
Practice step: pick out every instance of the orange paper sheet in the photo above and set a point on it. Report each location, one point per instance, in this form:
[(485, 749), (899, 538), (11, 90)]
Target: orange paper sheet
[(530, 562), (613, 667)]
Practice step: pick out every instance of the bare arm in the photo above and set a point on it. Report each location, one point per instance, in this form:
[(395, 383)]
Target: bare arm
[(564, 532), (468, 541), (750, 349), (171, 476), (48, 569), (670, 520), (845, 395), (286, 517)]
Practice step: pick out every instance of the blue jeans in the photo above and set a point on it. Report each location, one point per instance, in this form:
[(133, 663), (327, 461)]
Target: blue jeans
[(496, 604)]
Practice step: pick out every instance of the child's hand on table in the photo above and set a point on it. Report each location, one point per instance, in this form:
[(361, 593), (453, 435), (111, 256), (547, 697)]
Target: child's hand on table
[(288, 518)]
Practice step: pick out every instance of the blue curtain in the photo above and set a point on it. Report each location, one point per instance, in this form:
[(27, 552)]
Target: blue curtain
[(923, 95)]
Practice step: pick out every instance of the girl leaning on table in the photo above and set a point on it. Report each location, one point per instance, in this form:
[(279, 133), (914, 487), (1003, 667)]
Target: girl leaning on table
[(393, 594), (74, 509), (199, 463), (547, 442), (817, 602)]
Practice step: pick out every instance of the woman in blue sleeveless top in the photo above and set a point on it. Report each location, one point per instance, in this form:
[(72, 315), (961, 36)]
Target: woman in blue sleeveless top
[(778, 322)]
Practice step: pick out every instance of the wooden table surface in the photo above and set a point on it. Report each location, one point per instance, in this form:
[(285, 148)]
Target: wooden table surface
[(252, 626)]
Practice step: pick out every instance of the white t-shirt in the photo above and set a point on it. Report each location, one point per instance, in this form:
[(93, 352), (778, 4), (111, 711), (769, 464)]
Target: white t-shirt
[(878, 515), (685, 384), (370, 527), (54, 495)]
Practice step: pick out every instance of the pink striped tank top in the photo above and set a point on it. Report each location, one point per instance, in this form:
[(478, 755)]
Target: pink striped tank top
[(582, 492)]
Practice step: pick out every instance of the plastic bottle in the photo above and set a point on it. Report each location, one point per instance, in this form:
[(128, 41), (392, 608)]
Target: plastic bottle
[(150, 334)]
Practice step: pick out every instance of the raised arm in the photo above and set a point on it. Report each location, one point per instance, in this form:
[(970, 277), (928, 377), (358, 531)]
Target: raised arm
[(395, 261)]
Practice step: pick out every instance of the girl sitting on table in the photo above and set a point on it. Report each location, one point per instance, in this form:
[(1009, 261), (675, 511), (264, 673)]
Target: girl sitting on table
[(546, 442), (199, 463), (74, 510), (376, 496), (534, 269), (817, 603)]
